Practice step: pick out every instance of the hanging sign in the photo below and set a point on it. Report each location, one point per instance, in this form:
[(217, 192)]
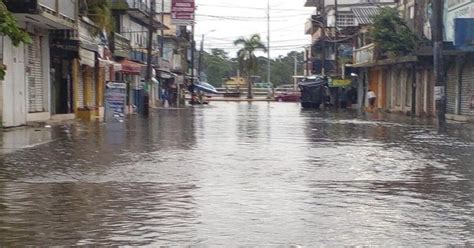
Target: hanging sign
[(182, 12)]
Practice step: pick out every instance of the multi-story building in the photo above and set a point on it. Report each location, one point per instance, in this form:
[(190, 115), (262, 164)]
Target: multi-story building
[(29, 90), (132, 23), (331, 27), (174, 63)]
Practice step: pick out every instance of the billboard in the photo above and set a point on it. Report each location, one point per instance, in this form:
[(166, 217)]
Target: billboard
[(182, 12)]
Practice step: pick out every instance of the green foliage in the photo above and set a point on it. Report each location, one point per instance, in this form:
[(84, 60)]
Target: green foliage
[(217, 66), (9, 27), (100, 11), (391, 33), (246, 55)]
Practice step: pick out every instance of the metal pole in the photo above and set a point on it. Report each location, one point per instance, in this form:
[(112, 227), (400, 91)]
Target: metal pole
[(149, 67), (439, 70), (269, 65), (323, 39), (192, 53), (162, 46), (200, 57), (336, 35), (295, 72)]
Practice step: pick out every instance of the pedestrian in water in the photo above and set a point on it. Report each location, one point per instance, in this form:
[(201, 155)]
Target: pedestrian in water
[(372, 98)]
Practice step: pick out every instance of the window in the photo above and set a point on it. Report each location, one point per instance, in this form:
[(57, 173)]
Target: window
[(345, 20)]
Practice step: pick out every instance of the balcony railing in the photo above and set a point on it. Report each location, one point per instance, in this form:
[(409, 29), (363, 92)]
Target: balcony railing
[(120, 46), (61, 12), (131, 5), (365, 54)]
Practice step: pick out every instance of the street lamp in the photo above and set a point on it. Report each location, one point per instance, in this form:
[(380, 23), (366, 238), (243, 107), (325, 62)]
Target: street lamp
[(202, 51)]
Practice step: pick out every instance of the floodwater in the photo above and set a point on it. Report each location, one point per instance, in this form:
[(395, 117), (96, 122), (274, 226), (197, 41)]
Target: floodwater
[(239, 174)]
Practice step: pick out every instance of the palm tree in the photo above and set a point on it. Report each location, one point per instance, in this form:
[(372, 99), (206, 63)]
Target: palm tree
[(248, 62)]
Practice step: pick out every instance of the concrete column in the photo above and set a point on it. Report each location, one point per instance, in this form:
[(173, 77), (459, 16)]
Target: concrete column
[(75, 83)]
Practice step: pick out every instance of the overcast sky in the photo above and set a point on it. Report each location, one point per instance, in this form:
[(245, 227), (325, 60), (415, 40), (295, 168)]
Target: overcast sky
[(223, 21)]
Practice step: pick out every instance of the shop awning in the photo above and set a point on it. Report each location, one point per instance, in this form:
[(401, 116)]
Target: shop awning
[(87, 57), (130, 67), (106, 62)]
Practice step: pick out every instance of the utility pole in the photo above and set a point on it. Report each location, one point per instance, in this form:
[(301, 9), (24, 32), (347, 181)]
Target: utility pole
[(193, 46), (269, 65), (439, 69), (295, 72), (149, 68), (162, 43), (336, 35), (323, 38), (200, 57)]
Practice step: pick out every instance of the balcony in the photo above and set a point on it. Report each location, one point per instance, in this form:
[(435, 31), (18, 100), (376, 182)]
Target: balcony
[(48, 14), (138, 9), (120, 46), (365, 54)]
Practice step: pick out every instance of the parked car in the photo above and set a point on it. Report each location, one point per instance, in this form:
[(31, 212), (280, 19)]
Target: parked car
[(288, 96), (312, 91)]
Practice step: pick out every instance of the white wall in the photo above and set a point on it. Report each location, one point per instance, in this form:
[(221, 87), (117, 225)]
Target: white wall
[(167, 5), (14, 86), (136, 33)]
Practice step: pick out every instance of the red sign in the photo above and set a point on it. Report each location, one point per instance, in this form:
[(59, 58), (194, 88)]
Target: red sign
[(182, 11)]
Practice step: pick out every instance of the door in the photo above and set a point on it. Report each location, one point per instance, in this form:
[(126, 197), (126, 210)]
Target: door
[(35, 76)]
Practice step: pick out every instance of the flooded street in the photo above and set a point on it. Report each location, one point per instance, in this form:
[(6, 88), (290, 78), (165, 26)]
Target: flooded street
[(241, 174)]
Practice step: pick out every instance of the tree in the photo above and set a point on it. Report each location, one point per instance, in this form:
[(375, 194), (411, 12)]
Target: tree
[(9, 27), (248, 62), (100, 11), (391, 33), (217, 66)]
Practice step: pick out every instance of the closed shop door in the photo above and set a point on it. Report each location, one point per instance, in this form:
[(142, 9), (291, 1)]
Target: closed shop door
[(467, 90), (34, 76), (80, 88), (451, 90)]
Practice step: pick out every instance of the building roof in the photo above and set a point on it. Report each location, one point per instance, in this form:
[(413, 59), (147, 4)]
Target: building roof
[(365, 15)]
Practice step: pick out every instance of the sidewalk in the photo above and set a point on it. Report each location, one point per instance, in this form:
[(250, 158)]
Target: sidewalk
[(34, 134)]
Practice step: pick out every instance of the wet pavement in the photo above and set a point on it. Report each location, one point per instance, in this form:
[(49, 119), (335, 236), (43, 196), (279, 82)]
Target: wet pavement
[(240, 174)]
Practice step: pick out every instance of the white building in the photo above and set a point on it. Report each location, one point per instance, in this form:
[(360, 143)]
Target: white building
[(25, 94)]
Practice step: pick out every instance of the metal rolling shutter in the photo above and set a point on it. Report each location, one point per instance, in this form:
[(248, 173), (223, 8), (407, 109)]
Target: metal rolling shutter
[(467, 89), (80, 88), (93, 87), (451, 90), (35, 76)]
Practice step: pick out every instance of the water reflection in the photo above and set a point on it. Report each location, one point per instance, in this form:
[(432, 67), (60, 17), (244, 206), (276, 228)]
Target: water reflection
[(241, 174)]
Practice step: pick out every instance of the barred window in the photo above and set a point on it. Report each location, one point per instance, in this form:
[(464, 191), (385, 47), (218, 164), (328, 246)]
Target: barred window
[(345, 20)]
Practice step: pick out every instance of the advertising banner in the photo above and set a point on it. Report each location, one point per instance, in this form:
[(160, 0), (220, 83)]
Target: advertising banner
[(182, 12), (115, 101)]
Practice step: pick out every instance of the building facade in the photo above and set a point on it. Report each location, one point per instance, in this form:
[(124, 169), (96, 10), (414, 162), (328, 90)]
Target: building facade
[(27, 91)]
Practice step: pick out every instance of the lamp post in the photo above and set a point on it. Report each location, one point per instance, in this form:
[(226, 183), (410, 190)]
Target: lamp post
[(201, 52)]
